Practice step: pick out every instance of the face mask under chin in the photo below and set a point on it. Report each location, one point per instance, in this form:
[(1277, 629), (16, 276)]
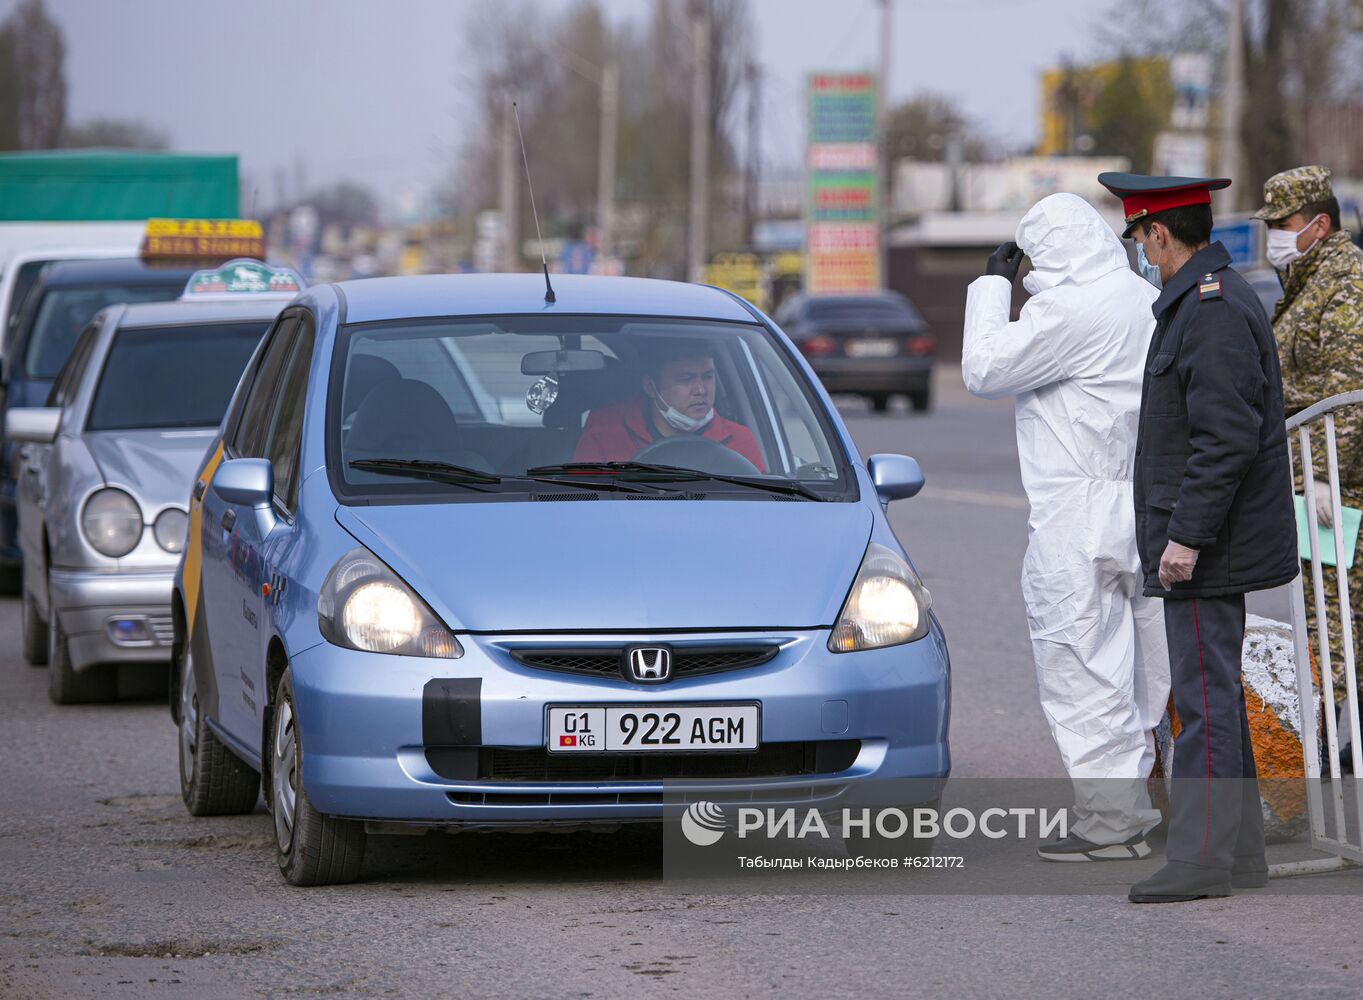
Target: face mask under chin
[(679, 420)]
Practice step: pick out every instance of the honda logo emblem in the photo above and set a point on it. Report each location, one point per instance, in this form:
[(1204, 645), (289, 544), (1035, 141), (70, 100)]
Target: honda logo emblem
[(648, 664)]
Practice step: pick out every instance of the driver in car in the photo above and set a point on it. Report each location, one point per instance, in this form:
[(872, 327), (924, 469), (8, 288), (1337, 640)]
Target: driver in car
[(678, 398)]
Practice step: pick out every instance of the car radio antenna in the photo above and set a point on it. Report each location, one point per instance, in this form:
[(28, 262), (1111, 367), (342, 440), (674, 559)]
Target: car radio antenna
[(544, 262)]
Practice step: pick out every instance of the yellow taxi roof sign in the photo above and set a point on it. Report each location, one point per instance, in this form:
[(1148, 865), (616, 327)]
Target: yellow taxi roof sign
[(203, 239)]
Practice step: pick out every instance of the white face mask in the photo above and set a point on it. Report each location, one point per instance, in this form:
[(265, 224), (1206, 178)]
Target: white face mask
[(1282, 246), (680, 420)]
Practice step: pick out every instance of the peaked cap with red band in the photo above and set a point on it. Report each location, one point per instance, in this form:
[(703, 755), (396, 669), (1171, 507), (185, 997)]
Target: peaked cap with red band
[(1143, 195)]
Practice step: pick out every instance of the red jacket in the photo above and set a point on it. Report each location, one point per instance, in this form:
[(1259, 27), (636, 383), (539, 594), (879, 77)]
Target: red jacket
[(617, 433)]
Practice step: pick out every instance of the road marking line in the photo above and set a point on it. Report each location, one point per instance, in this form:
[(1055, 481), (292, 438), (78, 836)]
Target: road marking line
[(977, 496)]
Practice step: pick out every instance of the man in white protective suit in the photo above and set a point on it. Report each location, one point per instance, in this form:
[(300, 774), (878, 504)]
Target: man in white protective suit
[(1074, 360)]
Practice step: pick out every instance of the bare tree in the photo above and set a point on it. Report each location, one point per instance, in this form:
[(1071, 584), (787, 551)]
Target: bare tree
[(920, 127), (114, 133), (37, 54), (554, 74), (1300, 56)]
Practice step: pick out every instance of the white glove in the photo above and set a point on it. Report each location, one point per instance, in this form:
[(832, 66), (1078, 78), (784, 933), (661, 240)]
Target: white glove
[(1324, 515)]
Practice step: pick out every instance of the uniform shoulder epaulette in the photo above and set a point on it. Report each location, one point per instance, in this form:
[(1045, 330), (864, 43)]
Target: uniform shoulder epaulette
[(1209, 287)]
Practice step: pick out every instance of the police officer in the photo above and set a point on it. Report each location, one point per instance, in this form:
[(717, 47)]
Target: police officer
[(1214, 520), (1319, 328)]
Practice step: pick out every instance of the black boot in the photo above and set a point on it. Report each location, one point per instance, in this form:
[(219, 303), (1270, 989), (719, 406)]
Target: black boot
[(1249, 873), (1179, 882)]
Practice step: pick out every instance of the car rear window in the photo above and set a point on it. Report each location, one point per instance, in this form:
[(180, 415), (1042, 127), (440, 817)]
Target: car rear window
[(856, 309), (63, 313), (172, 376)]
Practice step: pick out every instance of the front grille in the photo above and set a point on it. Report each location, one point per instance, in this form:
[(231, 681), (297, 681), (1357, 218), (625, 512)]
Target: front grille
[(687, 661), (535, 764)]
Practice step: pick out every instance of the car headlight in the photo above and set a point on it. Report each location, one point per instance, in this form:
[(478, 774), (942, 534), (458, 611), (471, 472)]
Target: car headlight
[(365, 605), (886, 606), (171, 526), (111, 522)]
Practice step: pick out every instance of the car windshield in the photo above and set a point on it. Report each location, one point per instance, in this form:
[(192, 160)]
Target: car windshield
[(63, 313), (171, 376), (863, 309), (619, 405)]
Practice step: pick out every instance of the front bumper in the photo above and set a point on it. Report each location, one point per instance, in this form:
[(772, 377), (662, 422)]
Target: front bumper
[(910, 374), (88, 603), (882, 714)]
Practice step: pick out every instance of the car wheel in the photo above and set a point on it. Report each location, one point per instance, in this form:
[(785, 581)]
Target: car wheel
[(875, 846), (67, 687), (880, 402), (312, 849), (33, 632), (921, 400), (213, 780)]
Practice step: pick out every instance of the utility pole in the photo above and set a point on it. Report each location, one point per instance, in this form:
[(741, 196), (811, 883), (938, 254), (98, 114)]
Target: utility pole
[(700, 139), (1231, 104), (885, 185), (510, 258), (751, 200), (605, 165)]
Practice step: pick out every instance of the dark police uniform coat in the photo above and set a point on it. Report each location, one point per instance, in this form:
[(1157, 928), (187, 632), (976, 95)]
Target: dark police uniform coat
[(1212, 469)]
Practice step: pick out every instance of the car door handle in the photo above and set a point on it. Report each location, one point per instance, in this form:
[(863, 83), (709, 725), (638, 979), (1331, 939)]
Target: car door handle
[(199, 489), (229, 518)]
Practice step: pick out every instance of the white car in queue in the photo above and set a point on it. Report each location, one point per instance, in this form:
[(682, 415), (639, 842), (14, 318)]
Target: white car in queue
[(106, 468)]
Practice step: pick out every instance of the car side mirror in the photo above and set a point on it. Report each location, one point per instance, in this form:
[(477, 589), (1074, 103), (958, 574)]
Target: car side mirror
[(33, 424), (896, 477), (248, 482)]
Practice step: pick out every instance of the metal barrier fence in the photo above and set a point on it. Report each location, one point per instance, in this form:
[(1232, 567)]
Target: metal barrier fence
[(1334, 839)]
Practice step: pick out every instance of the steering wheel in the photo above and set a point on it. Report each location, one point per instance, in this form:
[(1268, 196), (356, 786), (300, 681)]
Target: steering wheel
[(699, 453)]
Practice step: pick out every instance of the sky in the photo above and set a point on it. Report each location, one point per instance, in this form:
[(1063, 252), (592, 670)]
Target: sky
[(312, 91)]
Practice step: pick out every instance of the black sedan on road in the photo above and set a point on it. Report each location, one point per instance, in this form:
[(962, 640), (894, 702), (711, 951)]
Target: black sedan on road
[(876, 344)]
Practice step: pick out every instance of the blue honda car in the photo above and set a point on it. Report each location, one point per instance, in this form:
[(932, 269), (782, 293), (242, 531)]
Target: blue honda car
[(469, 556)]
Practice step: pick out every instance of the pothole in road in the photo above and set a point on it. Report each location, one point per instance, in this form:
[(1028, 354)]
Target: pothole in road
[(141, 802), (178, 948), (212, 842)]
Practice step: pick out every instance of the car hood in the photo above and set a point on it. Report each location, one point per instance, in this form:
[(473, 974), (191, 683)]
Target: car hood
[(619, 564), (156, 467)]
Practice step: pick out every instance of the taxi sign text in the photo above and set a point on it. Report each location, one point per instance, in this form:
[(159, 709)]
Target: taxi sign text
[(188, 238)]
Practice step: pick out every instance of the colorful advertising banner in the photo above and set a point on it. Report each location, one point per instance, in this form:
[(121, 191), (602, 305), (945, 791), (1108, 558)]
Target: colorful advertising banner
[(842, 167)]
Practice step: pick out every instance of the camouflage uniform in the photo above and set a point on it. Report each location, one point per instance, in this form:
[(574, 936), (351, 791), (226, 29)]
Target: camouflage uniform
[(1319, 328)]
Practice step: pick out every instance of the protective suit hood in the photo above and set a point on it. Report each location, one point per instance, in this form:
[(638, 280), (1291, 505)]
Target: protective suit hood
[(1068, 243)]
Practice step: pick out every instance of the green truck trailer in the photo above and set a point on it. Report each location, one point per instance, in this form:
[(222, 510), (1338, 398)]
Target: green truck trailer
[(116, 186)]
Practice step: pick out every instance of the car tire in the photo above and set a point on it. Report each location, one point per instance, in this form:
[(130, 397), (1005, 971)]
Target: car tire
[(67, 687), (213, 780), (880, 401), (921, 400), (907, 845), (33, 632), (311, 848)]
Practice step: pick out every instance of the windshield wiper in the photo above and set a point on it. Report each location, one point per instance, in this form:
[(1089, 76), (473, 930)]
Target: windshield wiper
[(420, 468), (673, 473)]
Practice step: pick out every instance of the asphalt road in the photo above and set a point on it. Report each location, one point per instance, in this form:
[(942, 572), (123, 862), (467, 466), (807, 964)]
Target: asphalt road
[(109, 889)]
